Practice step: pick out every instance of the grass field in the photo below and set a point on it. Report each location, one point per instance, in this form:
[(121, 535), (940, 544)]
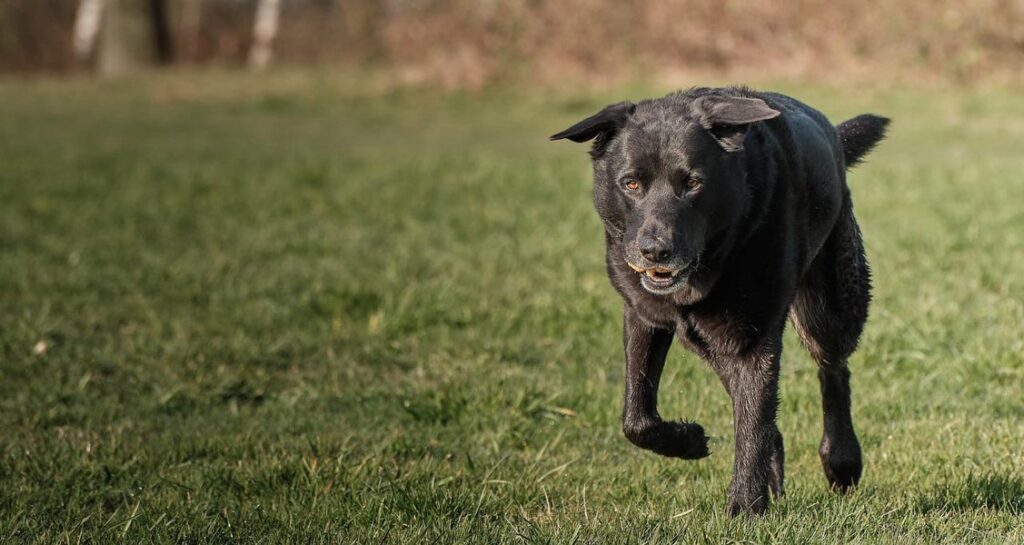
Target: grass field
[(299, 310)]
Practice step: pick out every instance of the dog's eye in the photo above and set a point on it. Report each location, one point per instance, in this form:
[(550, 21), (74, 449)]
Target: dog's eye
[(693, 184), (632, 185)]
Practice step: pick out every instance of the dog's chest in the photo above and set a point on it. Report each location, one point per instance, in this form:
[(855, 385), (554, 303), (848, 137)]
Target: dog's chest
[(690, 336), (718, 334)]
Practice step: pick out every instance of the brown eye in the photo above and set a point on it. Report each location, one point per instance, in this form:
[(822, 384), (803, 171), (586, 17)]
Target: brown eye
[(692, 184), (632, 185)]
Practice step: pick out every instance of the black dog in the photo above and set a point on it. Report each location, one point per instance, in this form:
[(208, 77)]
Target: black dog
[(725, 210)]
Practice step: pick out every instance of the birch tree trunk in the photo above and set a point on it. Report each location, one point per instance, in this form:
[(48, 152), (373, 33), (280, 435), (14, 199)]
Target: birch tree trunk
[(268, 13), (87, 27)]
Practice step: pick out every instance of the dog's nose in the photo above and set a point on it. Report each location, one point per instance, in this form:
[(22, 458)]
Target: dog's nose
[(654, 249)]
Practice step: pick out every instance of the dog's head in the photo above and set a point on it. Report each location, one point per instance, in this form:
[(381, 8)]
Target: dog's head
[(669, 176)]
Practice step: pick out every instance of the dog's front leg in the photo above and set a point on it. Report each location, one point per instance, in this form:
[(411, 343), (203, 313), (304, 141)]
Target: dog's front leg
[(753, 383), (646, 347)]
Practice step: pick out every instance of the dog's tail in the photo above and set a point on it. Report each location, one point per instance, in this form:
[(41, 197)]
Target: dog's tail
[(860, 135)]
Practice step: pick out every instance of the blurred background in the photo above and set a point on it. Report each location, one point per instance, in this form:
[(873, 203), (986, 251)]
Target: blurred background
[(310, 271), (470, 43)]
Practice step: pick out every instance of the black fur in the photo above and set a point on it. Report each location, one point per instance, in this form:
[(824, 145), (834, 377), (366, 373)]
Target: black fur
[(734, 203), (860, 135)]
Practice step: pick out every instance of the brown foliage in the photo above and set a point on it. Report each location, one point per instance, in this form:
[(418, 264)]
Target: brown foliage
[(35, 35), (462, 43)]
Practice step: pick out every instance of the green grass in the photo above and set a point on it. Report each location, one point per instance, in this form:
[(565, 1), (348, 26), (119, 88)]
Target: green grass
[(292, 309)]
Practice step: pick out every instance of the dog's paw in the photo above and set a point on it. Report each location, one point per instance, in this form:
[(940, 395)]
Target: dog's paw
[(749, 491), (842, 464), (686, 440), (757, 505), (676, 439)]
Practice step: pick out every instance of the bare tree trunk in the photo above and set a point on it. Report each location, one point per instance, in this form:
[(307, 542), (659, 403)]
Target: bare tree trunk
[(136, 34), (191, 25), (87, 27), (161, 24), (268, 13)]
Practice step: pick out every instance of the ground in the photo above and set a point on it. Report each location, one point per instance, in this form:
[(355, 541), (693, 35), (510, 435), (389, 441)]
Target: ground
[(294, 308)]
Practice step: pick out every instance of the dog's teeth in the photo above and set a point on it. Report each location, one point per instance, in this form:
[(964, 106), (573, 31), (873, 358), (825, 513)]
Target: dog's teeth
[(675, 274), (634, 267), (650, 272)]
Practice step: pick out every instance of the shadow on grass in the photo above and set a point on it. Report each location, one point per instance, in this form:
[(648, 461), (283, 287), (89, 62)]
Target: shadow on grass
[(995, 492)]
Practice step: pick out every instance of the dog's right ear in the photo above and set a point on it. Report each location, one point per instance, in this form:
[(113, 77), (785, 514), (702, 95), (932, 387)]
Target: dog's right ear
[(601, 125)]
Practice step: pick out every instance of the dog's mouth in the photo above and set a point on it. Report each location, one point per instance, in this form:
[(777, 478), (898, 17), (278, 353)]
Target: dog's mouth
[(660, 280)]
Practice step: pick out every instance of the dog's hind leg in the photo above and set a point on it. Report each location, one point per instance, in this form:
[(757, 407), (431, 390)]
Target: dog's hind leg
[(646, 348), (828, 313)]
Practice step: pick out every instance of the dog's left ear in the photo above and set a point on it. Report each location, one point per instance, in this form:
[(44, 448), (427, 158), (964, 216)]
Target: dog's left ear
[(602, 125), (729, 118)]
